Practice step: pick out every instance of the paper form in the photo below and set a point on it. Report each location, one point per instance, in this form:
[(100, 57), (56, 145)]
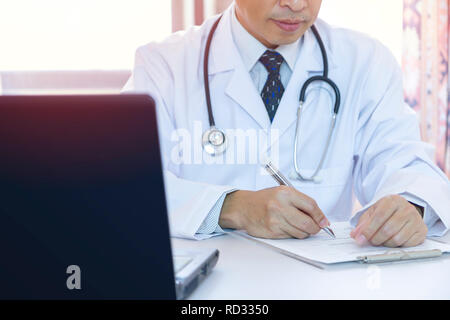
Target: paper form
[(324, 249)]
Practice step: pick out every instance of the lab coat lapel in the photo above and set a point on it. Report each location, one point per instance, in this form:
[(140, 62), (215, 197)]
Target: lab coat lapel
[(309, 63), (240, 88), (243, 91)]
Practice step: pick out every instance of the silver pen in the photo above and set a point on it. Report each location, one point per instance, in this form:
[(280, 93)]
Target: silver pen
[(283, 181)]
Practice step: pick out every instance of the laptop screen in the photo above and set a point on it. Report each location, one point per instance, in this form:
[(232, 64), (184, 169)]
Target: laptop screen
[(82, 204)]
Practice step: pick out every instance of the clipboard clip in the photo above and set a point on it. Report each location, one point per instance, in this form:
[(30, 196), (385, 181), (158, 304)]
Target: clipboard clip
[(399, 255)]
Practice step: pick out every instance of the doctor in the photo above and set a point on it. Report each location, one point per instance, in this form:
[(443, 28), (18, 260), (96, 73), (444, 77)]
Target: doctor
[(260, 56)]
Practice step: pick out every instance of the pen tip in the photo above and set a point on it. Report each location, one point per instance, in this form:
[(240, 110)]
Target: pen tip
[(330, 232)]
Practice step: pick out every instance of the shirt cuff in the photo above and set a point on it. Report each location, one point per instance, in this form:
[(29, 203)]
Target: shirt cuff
[(431, 219), (210, 225)]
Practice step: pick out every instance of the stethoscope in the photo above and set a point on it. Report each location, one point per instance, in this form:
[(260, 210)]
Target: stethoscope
[(214, 140)]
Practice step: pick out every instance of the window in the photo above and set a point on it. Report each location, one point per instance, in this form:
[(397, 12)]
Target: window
[(88, 46), (381, 19), (78, 34)]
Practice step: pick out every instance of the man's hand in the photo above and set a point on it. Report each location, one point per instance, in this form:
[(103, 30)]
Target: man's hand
[(391, 222), (274, 213)]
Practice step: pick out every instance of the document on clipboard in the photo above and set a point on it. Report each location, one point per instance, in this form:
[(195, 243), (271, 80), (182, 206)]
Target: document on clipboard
[(321, 249)]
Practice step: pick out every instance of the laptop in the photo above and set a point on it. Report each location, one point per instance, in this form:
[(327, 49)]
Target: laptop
[(82, 204)]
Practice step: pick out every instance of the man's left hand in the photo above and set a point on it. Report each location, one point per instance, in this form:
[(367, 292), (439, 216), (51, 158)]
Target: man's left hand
[(391, 222)]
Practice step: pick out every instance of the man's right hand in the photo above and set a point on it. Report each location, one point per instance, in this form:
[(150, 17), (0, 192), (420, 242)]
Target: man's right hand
[(274, 213)]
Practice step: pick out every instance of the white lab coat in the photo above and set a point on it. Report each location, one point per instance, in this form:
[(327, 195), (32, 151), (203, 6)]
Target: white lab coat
[(375, 149)]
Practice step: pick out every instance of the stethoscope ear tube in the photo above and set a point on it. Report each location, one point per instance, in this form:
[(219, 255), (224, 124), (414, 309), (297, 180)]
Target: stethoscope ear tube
[(313, 177), (324, 77), (337, 103)]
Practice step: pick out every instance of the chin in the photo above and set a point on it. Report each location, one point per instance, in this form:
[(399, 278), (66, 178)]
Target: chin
[(283, 38), (286, 40)]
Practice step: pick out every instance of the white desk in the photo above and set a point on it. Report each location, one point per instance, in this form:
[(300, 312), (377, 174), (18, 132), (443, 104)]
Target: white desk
[(248, 270)]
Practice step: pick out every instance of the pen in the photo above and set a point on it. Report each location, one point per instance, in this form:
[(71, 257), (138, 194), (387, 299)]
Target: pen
[(281, 179)]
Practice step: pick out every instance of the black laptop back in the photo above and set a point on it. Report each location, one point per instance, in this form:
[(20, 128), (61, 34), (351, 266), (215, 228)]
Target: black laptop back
[(82, 204)]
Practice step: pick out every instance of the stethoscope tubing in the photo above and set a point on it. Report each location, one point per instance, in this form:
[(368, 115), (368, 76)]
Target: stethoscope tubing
[(212, 122)]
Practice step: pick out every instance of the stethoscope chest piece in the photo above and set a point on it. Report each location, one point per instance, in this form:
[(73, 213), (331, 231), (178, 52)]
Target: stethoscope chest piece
[(214, 141)]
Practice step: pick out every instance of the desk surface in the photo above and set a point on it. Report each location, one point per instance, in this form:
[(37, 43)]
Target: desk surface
[(248, 270)]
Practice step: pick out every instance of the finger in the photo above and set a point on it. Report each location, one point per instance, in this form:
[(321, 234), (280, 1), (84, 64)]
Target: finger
[(293, 231), (357, 235), (366, 215), (301, 221), (416, 239), (275, 233), (362, 221), (383, 211), (309, 206), (390, 228), (402, 236)]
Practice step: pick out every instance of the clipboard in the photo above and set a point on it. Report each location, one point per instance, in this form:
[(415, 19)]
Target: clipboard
[(321, 250)]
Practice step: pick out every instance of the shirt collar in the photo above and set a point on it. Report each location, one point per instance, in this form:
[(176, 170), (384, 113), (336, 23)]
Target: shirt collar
[(251, 49)]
